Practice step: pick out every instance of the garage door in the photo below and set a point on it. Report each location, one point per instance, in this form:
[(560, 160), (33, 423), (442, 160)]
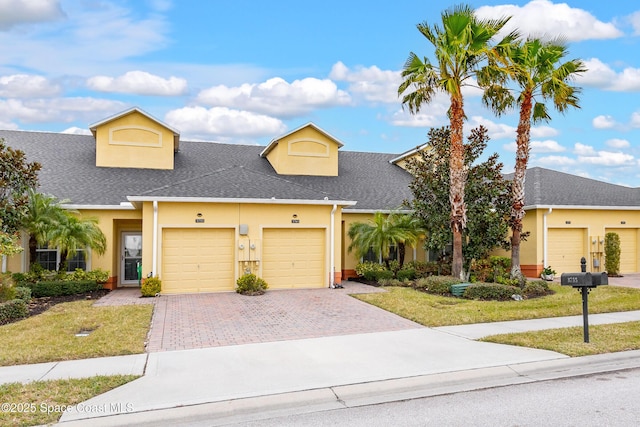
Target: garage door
[(294, 258), (197, 260), (628, 249), (565, 248)]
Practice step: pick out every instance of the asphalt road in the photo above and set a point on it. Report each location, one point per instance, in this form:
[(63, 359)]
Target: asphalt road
[(609, 399)]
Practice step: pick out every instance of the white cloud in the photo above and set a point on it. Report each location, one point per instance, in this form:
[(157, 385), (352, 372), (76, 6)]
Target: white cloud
[(542, 17), (139, 83), (603, 122), (618, 143), (635, 120), (543, 131), (583, 150), (634, 19), (423, 119), (372, 83), (17, 12), (496, 130), (547, 146), (95, 36), (221, 122), (74, 130), (608, 158), (277, 97), (58, 109), (556, 161), (27, 86), (601, 75), (587, 154)]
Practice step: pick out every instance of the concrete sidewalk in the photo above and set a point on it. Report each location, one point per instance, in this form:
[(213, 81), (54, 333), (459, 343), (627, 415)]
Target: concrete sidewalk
[(238, 383)]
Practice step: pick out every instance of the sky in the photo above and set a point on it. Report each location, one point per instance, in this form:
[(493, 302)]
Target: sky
[(247, 71)]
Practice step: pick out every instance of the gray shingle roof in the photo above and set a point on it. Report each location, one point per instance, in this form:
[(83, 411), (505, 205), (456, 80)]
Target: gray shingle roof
[(552, 188), (214, 170), (205, 169)]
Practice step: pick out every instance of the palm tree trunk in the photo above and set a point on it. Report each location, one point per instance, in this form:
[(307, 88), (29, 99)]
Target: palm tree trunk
[(402, 250), (33, 253), (517, 186), (457, 179)]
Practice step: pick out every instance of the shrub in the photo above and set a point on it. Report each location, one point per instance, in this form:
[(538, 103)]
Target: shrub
[(393, 282), (99, 275), (250, 284), (7, 291), (537, 288), (612, 254), (56, 288), (382, 275), (151, 286), (437, 285), (490, 292), (406, 274), (13, 309), (23, 293), (367, 269), (19, 278), (423, 269)]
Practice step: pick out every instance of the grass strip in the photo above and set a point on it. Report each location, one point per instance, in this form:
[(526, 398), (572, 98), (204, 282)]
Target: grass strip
[(434, 310), (52, 335), (43, 402), (608, 338)]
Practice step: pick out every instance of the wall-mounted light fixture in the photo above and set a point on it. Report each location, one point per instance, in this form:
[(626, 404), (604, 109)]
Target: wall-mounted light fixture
[(567, 222), (199, 214), (623, 222)]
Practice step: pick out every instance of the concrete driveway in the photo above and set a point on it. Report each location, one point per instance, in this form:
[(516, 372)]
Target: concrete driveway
[(183, 322)]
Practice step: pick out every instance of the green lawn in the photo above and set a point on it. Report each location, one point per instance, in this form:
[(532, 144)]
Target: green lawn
[(434, 310), (51, 336), (43, 402)]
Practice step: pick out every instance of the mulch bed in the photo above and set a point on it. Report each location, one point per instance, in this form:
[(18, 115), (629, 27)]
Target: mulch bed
[(42, 304)]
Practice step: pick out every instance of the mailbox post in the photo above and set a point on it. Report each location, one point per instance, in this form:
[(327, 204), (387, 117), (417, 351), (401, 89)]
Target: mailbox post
[(584, 282)]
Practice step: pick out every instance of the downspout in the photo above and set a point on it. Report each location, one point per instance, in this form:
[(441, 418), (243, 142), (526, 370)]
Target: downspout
[(4, 263), (544, 237), (332, 249), (154, 250)]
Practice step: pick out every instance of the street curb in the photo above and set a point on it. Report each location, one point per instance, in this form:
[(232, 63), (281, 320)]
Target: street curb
[(371, 393)]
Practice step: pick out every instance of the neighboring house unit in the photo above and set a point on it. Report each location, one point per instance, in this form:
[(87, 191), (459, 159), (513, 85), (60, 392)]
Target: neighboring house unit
[(200, 214)]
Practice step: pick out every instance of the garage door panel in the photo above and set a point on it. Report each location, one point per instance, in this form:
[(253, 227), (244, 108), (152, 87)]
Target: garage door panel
[(565, 248), (294, 258), (198, 260), (628, 248)]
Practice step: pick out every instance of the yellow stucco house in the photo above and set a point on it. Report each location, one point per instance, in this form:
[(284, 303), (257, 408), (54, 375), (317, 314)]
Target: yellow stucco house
[(200, 214)]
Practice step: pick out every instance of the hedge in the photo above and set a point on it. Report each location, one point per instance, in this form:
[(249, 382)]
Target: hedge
[(13, 309), (491, 292), (58, 288), (438, 285)]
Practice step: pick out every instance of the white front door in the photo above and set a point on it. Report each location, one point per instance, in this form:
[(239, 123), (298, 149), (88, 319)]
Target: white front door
[(130, 256)]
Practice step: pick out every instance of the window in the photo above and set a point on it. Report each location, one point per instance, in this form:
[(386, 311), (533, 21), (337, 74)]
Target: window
[(79, 260), (372, 257), (49, 259)]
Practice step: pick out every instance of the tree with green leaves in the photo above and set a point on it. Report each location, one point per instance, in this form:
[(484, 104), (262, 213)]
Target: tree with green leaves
[(487, 224), (461, 45), (17, 177), (49, 223), (75, 233), (383, 231), (540, 76)]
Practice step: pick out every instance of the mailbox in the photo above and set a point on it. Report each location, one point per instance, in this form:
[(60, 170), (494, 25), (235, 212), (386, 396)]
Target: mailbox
[(576, 279), (599, 279)]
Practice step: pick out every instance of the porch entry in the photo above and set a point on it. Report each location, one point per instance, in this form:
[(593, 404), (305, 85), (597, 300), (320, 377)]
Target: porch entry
[(130, 256)]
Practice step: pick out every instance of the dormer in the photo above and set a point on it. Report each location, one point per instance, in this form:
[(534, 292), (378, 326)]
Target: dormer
[(307, 150), (414, 153), (134, 139)]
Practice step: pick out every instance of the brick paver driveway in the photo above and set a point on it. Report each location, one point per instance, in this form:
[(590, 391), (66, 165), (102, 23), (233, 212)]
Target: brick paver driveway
[(183, 322)]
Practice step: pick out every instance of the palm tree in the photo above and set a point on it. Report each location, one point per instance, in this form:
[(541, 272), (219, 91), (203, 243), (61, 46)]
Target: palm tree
[(413, 231), (44, 214), (461, 45), (75, 233), (380, 233), (535, 67)]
